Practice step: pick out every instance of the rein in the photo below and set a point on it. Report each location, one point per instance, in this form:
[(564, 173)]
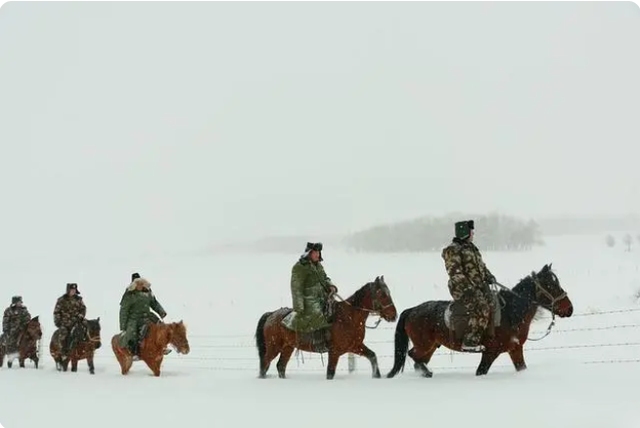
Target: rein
[(377, 309), (540, 289)]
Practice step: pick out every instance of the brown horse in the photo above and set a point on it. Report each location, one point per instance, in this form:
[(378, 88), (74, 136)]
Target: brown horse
[(427, 325), (347, 330), (84, 344), (28, 345), (158, 336)]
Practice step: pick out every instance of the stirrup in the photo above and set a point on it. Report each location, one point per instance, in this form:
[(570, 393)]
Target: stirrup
[(472, 348)]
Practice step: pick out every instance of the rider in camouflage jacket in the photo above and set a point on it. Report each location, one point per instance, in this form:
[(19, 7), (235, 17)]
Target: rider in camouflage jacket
[(69, 311), (135, 313), (469, 280), (14, 321)]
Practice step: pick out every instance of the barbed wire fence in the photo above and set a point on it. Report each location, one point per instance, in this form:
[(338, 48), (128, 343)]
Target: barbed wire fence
[(237, 352)]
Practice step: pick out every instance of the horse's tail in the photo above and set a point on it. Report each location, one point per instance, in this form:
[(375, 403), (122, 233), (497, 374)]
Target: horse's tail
[(261, 343), (401, 344)]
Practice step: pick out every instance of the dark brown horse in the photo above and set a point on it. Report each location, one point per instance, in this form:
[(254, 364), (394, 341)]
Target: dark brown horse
[(346, 332), (158, 336), (28, 345), (84, 344), (427, 324)]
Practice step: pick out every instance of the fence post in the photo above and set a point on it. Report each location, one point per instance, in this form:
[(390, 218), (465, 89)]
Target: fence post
[(352, 362)]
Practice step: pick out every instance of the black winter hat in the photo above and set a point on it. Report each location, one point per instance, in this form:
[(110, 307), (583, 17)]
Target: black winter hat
[(72, 286), (135, 276)]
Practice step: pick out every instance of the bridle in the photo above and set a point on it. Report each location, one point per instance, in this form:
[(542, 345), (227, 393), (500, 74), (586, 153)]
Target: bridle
[(540, 289), (377, 309)]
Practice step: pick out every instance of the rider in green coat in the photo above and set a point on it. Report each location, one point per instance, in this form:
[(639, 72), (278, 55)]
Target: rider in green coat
[(135, 312), (310, 291)]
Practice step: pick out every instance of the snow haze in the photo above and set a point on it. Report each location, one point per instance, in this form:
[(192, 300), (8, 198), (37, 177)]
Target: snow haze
[(155, 127)]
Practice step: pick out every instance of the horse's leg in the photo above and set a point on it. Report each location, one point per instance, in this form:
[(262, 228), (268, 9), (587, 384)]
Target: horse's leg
[(65, 364), (126, 362), (517, 356), (271, 353), (21, 359), (35, 360), (488, 357), (334, 356), (371, 356), (422, 357), (74, 364), (285, 355), (154, 364), (92, 369)]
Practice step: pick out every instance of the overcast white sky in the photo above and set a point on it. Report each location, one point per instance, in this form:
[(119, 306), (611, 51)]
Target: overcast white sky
[(130, 127)]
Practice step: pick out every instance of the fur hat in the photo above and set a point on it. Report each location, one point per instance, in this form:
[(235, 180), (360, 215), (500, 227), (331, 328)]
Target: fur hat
[(72, 286), (464, 228), (139, 281), (313, 246), (16, 299)]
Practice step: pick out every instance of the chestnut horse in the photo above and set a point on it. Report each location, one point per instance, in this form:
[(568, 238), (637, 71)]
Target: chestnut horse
[(426, 324), (28, 345), (158, 336), (347, 330), (84, 346)]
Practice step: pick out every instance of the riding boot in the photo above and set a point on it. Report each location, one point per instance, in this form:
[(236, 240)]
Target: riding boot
[(471, 344)]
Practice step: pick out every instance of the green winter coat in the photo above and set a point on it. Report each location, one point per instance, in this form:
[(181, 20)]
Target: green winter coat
[(310, 292), (135, 312)]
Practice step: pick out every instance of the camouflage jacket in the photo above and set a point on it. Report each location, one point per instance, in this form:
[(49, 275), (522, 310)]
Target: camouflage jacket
[(15, 318), (465, 266), (136, 305), (68, 311)]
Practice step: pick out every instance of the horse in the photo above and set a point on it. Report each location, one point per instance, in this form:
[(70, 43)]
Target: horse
[(431, 325), (84, 345), (152, 347), (28, 341), (347, 330)]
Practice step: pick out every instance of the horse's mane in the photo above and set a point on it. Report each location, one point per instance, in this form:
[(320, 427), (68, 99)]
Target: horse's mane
[(518, 300), (357, 298)]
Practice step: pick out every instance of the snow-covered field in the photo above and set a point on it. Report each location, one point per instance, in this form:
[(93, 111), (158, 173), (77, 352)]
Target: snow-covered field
[(583, 375)]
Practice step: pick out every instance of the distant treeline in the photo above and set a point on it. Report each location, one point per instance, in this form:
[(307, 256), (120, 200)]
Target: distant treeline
[(493, 232)]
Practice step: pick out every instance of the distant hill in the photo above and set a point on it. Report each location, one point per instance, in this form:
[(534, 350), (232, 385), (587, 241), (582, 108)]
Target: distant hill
[(494, 232)]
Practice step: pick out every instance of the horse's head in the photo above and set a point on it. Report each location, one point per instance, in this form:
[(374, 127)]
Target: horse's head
[(33, 329), (550, 294), (94, 332), (381, 301), (178, 337)]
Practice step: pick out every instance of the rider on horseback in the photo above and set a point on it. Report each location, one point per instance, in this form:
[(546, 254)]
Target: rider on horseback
[(135, 313), (14, 320), (68, 313), (469, 280), (311, 289)]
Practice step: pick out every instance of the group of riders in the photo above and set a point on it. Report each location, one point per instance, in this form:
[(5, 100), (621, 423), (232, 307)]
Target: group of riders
[(311, 290), (469, 284), (69, 317)]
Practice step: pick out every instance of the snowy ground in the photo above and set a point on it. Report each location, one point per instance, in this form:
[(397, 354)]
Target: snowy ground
[(582, 375)]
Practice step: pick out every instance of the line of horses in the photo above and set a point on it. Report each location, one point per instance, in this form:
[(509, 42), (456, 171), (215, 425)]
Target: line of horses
[(428, 326), (158, 336)]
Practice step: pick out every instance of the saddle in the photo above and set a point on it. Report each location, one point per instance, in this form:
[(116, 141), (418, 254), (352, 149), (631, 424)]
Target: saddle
[(456, 317), (318, 340)]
